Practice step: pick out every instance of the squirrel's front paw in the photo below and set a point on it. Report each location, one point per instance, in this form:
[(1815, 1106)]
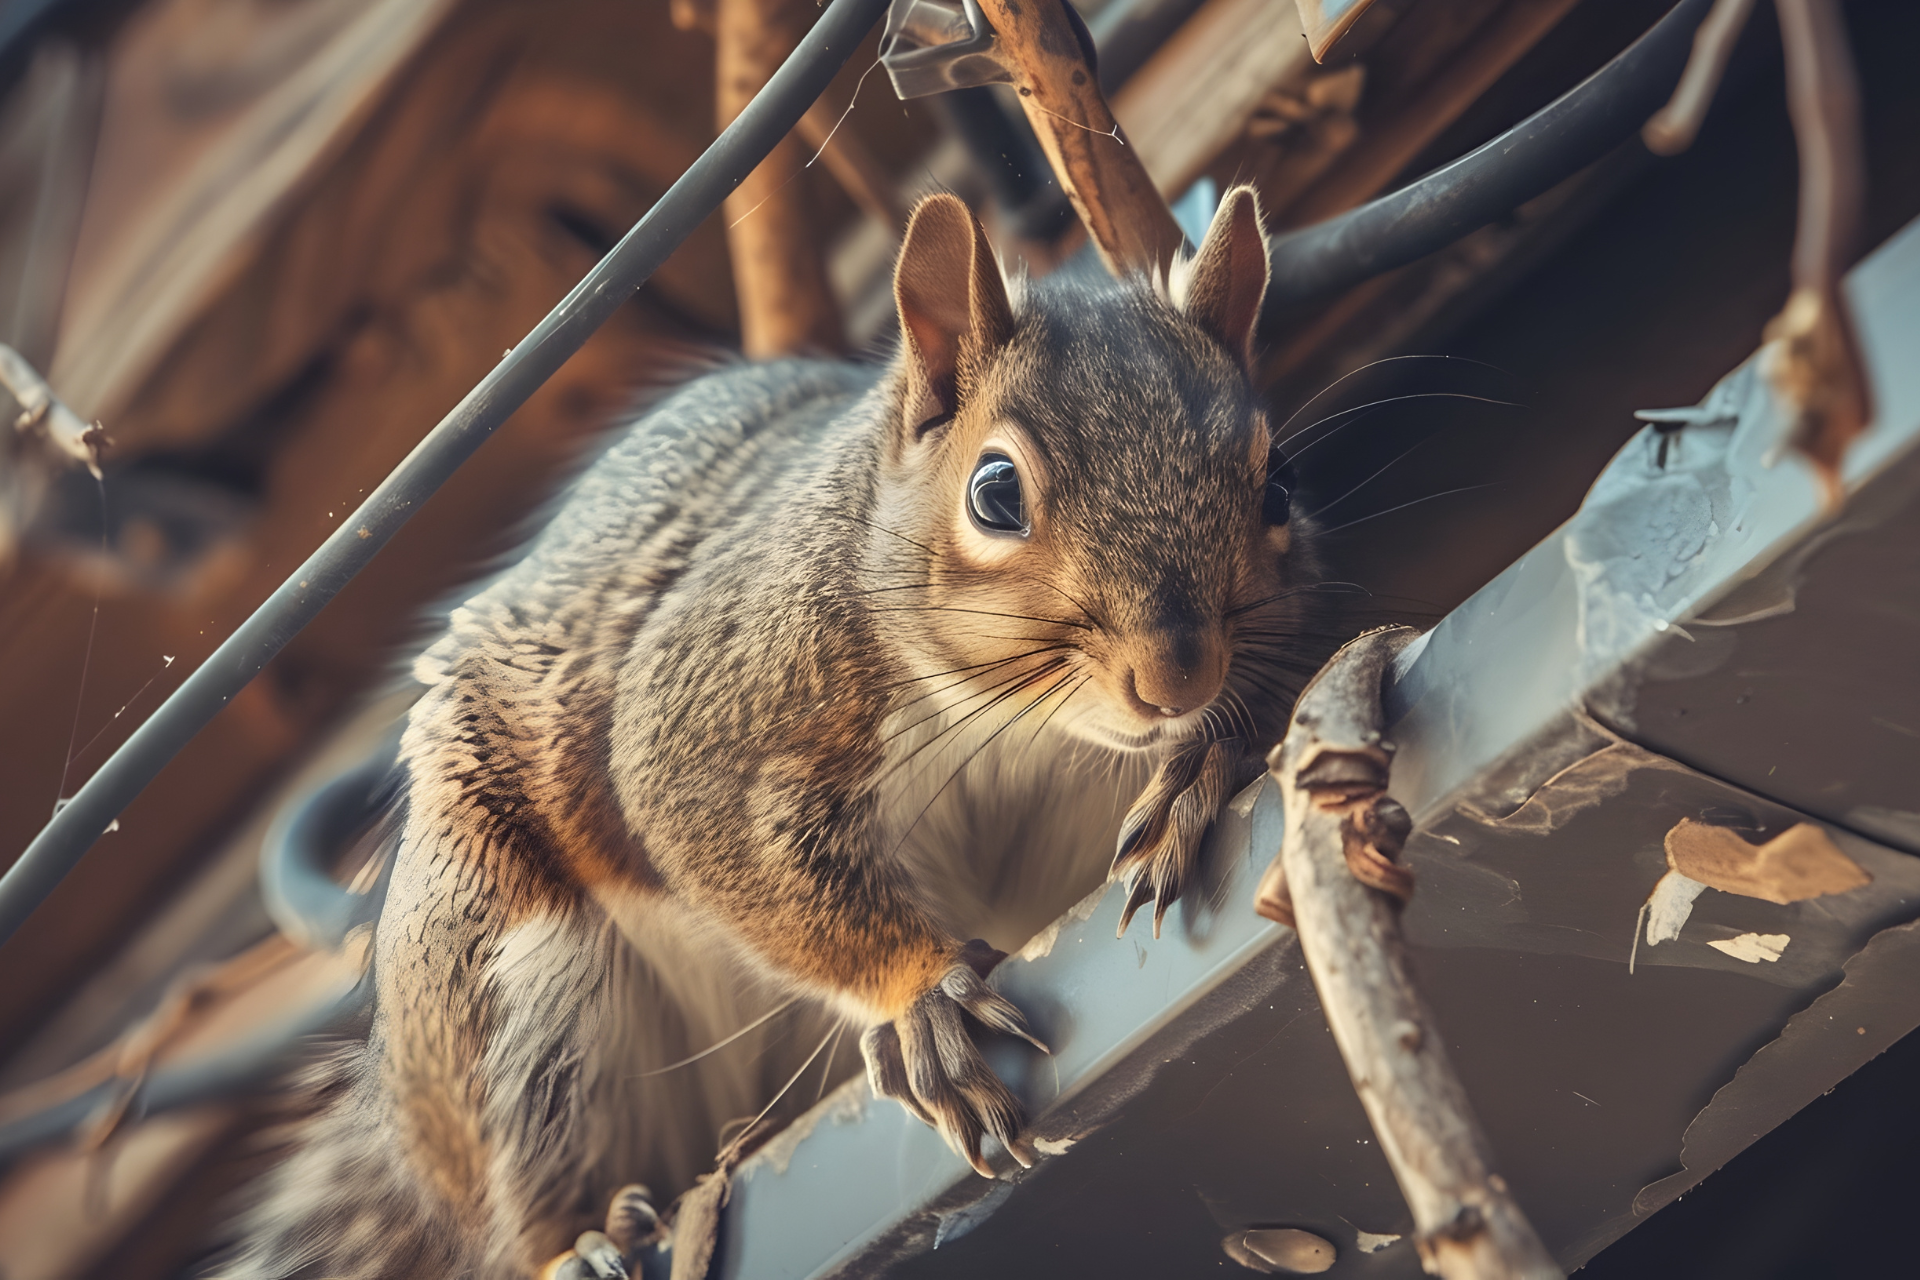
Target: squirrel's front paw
[(632, 1225), (1160, 840), (593, 1257), (925, 1060)]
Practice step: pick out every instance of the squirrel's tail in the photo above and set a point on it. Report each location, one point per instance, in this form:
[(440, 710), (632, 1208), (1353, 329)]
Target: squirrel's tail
[(340, 1199)]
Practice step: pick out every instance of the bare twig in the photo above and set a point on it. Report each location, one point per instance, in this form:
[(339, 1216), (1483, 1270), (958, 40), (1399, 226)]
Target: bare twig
[(42, 411), (1338, 880), (1124, 213), (1674, 127), (1817, 365)]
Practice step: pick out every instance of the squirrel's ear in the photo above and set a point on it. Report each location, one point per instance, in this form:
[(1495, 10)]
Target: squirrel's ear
[(1227, 278), (953, 306)]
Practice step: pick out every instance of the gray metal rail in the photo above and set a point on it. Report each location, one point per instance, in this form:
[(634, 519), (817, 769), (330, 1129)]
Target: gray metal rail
[(1638, 669)]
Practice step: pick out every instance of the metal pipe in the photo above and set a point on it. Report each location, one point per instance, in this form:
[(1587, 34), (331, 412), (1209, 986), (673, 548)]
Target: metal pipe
[(307, 836), (1549, 146), (1486, 184), (733, 155)]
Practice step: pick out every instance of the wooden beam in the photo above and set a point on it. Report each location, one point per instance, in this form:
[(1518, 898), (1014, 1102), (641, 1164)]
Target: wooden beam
[(1193, 98), (779, 263), (1389, 145), (1325, 21)]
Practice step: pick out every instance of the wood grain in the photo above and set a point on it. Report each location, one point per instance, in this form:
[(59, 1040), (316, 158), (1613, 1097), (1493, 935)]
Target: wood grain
[(1123, 211), (779, 259), (1332, 770), (1190, 100)]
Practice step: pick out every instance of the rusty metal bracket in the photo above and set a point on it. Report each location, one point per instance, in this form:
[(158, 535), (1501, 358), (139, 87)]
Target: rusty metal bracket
[(933, 46)]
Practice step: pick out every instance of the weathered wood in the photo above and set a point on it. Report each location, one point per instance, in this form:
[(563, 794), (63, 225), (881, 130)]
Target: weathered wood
[(1391, 142), (1337, 877), (839, 150), (484, 183), (1195, 95), (48, 122), (1123, 211), (1325, 21), (181, 192), (61, 1213), (779, 254)]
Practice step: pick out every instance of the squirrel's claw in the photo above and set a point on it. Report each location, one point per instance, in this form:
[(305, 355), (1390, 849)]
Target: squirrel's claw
[(887, 1069), (1140, 892), (632, 1225), (602, 1256), (925, 1060), (593, 1257), (1159, 845), (965, 988), (632, 1221)]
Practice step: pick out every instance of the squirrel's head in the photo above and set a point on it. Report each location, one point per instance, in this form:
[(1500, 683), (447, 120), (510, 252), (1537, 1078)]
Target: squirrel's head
[(1083, 505)]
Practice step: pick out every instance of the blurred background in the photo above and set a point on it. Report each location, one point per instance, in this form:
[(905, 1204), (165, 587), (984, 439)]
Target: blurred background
[(268, 243)]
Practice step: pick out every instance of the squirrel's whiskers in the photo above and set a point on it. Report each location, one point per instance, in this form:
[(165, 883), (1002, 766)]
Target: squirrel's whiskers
[(820, 672)]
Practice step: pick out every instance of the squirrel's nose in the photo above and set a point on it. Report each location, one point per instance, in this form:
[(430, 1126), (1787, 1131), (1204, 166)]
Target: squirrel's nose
[(1174, 672)]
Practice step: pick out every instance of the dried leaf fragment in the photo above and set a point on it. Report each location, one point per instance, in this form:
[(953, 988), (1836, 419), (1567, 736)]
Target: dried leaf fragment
[(1801, 862), (1815, 364), (1753, 947)]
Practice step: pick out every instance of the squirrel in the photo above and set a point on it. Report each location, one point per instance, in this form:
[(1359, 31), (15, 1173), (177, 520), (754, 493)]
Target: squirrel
[(817, 672)]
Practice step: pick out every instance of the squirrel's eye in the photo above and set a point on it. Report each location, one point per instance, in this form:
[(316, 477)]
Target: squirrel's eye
[(993, 495), (1276, 506)]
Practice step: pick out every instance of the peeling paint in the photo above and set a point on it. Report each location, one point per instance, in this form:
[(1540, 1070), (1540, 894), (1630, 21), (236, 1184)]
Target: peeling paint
[(1876, 1004), (1670, 905), (845, 1105), (957, 1222), (1659, 527), (1591, 778), (1800, 863), (1752, 947), (1041, 944)]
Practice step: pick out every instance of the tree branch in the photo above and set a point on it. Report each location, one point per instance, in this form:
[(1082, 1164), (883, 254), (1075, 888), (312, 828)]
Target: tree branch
[(1817, 364), (1338, 880)]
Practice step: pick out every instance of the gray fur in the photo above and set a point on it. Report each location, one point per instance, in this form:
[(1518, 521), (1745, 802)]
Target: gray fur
[(689, 757)]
